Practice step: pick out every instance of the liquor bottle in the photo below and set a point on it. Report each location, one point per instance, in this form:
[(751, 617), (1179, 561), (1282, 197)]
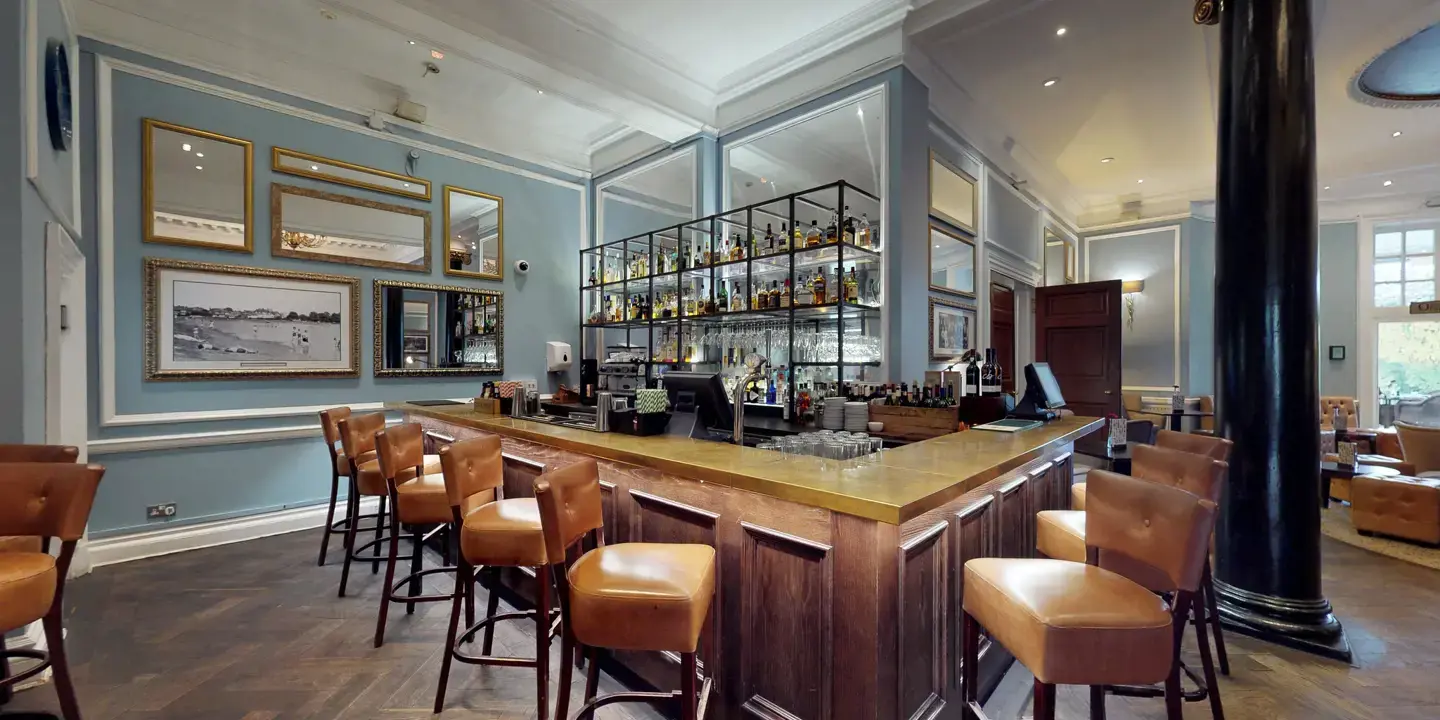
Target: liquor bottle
[(769, 239), (852, 287), (737, 251), (972, 377), (592, 277), (723, 300), (770, 389), (782, 242), (785, 294), (804, 293), (772, 298), (832, 229), (737, 298), (813, 235), (862, 231), (819, 296), (799, 238), (848, 229)]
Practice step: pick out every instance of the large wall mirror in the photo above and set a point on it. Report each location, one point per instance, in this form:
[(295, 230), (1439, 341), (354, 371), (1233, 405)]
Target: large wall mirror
[(954, 195), (317, 225), (424, 329), (952, 262), (295, 162), (1060, 260), (474, 234), (197, 188)]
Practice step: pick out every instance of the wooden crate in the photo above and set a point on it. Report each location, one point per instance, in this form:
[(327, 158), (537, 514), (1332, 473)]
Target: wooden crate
[(914, 423), (487, 406)]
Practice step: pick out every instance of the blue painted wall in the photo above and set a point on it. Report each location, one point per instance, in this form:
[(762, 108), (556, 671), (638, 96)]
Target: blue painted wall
[(1197, 297), (1148, 357), (542, 225), (1339, 255)]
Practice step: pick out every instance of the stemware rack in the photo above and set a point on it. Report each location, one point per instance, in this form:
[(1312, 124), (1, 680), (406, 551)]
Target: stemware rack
[(612, 274)]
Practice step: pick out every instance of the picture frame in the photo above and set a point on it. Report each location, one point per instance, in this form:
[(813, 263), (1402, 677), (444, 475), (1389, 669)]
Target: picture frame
[(209, 321), (1337, 352), (953, 328), (940, 237), (197, 220), (417, 344), (340, 172), (954, 196)]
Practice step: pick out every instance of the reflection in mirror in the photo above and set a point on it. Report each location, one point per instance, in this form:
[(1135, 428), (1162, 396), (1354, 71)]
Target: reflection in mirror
[(954, 195), (197, 188), (952, 262), (295, 162), (656, 196), (317, 225), (845, 142), (474, 234), (423, 329), (1060, 259)]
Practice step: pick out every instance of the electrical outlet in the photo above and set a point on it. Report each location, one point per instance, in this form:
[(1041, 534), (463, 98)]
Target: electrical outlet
[(163, 511), (530, 385)]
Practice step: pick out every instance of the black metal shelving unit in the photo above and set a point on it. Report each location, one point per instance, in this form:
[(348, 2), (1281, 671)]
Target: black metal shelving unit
[(610, 265)]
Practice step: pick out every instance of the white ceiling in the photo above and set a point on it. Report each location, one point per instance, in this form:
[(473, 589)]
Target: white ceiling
[(1138, 82)]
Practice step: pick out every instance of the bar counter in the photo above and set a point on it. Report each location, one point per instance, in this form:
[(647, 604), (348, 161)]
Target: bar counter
[(838, 585)]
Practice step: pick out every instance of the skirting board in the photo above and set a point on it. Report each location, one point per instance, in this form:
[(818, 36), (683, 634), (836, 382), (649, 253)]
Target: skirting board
[(153, 543)]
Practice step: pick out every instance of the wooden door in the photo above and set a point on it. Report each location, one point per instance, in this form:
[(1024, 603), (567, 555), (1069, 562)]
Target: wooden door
[(1002, 332), (1077, 331)]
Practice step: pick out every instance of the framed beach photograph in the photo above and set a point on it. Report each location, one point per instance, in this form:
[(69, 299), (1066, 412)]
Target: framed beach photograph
[(205, 321), (952, 329)]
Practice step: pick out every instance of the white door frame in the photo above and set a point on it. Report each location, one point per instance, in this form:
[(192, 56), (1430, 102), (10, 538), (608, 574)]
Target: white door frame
[(66, 374)]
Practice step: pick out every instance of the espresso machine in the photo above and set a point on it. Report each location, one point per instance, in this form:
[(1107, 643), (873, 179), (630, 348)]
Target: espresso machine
[(623, 371)]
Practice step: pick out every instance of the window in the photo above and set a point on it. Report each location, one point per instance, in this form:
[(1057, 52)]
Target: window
[(1404, 267), (1409, 368)]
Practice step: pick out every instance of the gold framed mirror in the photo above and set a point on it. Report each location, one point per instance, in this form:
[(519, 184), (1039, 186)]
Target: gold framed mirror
[(197, 188), (425, 329), (294, 162), (952, 262), (474, 234), (954, 195), (318, 225)]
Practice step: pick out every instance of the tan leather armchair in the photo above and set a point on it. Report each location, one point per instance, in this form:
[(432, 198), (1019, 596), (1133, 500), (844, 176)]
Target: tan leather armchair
[(1421, 447), (1347, 405), (1134, 404)]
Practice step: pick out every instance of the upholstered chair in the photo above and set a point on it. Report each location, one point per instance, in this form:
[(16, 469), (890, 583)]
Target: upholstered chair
[(1421, 446), (1348, 407)]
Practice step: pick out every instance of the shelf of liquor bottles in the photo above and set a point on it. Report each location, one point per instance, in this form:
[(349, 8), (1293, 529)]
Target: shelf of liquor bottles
[(797, 278)]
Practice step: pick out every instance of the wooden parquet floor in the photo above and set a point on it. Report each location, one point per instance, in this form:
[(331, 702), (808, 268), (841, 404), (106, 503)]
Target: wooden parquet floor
[(254, 631)]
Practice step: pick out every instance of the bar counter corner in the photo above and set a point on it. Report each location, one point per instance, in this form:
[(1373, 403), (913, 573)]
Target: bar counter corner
[(838, 587)]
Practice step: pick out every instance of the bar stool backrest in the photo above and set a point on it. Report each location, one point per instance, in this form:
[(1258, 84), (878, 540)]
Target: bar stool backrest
[(330, 423), (39, 454), (1197, 474), (357, 434), (570, 506), (47, 499), (400, 448), (472, 468), (1217, 448), (1164, 527)]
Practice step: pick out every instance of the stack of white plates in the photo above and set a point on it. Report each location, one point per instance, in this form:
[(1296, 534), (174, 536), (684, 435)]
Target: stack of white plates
[(834, 415), (857, 416)]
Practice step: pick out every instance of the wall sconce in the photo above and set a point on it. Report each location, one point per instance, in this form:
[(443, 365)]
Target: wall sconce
[(1131, 288)]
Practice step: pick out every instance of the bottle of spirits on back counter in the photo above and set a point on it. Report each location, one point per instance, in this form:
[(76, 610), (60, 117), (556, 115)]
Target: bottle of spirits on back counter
[(972, 377), (991, 376)]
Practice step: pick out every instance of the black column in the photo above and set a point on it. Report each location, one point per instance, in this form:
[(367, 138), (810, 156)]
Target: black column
[(1267, 564)]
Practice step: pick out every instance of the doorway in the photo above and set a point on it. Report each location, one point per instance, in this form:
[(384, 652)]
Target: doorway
[(1012, 328)]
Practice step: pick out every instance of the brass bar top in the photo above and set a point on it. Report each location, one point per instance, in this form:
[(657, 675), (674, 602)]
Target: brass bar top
[(898, 485)]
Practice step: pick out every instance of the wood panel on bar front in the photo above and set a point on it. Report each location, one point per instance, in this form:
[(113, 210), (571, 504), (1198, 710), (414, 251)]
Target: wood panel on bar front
[(818, 614)]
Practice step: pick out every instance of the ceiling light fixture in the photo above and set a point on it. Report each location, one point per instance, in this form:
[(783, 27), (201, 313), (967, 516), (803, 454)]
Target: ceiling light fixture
[(412, 42), (1141, 181), (199, 154), (1060, 31), (198, 167), (1051, 82), (1397, 133), (315, 167), (185, 147), (1388, 183), (542, 92), (1327, 187), (407, 184), (437, 54), (1107, 160)]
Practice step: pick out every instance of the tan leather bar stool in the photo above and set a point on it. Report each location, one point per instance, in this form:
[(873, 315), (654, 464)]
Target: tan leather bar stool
[(494, 534), (417, 500), (1060, 534), (339, 470), (45, 500), (1083, 624), (357, 437), (631, 596)]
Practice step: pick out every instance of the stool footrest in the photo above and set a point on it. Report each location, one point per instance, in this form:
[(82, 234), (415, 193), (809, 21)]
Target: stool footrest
[(492, 660), (14, 677), (469, 634), (589, 708), (395, 595), (1199, 694)]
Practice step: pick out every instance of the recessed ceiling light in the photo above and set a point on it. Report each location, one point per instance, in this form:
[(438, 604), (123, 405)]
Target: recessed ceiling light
[(1397, 133), (542, 92), (1388, 183), (199, 167), (1051, 82), (1107, 160), (1141, 181), (199, 154), (314, 167), (1061, 31), (437, 54), (407, 184), (185, 147), (1327, 187), (412, 42)]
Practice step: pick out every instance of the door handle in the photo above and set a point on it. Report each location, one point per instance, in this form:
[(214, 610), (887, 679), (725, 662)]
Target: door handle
[(1107, 392)]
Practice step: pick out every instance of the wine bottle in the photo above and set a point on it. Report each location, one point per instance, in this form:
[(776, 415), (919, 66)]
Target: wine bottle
[(972, 377), (989, 376)]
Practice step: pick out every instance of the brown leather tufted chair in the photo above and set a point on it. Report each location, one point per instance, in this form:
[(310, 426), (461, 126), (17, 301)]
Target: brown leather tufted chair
[(32, 454), (631, 596), (1347, 405), (46, 500), (1087, 624), (1421, 446)]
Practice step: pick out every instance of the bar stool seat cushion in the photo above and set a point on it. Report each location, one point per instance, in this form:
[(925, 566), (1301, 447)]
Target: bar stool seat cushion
[(342, 461), (371, 481), (505, 532), (642, 596), (27, 587), (1077, 496), (423, 501), (1071, 623), (19, 543)]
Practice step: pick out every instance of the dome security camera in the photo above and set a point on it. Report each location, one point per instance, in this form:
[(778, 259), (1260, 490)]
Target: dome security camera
[(522, 266)]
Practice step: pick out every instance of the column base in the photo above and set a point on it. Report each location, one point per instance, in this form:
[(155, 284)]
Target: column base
[(1306, 625)]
